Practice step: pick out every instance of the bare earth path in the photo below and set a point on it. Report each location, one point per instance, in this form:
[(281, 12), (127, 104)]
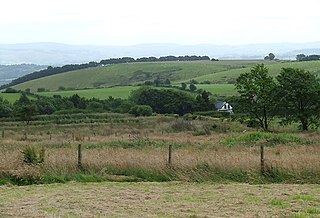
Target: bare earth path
[(160, 200)]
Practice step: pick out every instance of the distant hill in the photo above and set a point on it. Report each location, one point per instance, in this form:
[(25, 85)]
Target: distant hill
[(60, 54), (133, 73), (216, 72), (10, 72)]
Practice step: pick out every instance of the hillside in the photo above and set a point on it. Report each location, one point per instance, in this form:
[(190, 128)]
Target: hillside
[(133, 73), (230, 76)]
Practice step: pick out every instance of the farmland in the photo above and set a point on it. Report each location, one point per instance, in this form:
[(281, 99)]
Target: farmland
[(112, 164), (130, 74), (160, 200)]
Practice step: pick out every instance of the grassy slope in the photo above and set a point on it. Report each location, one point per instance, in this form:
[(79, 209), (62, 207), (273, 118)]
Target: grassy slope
[(230, 76), (116, 92), (125, 74), (124, 91), (11, 97)]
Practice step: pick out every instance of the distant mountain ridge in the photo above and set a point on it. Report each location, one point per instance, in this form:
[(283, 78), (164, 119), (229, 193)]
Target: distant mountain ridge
[(58, 54)]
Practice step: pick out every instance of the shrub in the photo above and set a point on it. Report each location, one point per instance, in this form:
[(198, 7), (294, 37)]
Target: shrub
[(41, 90), (182, 125), (141, 110), (33, 156)]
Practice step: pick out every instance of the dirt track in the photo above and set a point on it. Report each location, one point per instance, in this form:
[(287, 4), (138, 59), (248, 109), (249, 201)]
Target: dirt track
[(160, 200)]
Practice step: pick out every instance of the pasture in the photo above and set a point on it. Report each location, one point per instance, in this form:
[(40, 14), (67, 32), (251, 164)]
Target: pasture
[(120, 92), (104, 93), (172, 199), (132, 73), (11, 97), (231, 75)]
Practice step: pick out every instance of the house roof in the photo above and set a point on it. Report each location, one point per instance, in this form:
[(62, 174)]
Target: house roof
[(219, 104)]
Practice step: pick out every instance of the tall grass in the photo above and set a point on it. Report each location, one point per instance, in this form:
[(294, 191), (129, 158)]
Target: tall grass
[(138, 151)]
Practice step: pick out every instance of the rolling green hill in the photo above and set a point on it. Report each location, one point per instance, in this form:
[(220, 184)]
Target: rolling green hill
[(117, 80), (230, 76), (130, 74), (124, 91)]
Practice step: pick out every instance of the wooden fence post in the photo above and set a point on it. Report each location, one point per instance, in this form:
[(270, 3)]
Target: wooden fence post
[(170, 156), (79, 157), (3, 133), (262, 159)]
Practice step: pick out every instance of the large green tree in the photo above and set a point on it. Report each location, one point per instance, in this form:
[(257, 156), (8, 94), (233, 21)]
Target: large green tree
[(164, 100), (255, 99), (5, 108), (298, 97)]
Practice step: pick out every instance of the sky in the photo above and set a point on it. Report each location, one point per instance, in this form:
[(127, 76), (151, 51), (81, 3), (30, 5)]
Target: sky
[(186, 22)]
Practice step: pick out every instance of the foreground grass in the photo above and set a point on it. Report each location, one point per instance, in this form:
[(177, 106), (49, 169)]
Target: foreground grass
[(136, 149), (160, 200)]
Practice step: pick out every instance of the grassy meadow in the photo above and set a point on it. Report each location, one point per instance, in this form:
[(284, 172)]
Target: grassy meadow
[(132, 73), (171, 199), (11, 97), (103, 93), (231, 75), (119, 147)]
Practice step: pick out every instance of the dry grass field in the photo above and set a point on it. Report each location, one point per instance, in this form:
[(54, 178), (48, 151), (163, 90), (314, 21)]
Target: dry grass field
[(139, 151), (160, 200), (215, 169)]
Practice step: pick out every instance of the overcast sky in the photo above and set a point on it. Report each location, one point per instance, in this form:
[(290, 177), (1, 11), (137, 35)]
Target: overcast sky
[(129, 22)]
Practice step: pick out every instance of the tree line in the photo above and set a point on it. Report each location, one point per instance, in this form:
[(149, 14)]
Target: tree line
[(293, 96), (303, 57), (141, 102), (71, 67)]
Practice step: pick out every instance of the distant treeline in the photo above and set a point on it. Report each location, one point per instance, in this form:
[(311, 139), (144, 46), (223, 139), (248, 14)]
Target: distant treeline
[(71, 67), (303, 57)]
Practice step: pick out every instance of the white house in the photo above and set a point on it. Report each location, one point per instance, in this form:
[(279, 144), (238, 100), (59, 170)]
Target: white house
[(223, 106)]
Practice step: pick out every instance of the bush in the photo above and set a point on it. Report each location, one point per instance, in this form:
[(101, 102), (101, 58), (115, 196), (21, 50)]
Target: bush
[(141, 110), (41, 90), (33, 156), (182, 125)]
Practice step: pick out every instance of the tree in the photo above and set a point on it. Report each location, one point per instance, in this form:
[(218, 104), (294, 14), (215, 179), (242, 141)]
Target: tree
[(203, 102), (164, 100), (192, 87), (298, 97), (255, 89), (5, 108), (300, 57), (183, 86), (141, 110), (270, 57), (24, 108), (167, 82)]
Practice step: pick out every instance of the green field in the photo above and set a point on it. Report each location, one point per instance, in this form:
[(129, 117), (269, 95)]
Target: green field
[(120, 92), (124, 91), (11, 97), (116, 92), (130, 74), (230, 76), (123, 77)]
